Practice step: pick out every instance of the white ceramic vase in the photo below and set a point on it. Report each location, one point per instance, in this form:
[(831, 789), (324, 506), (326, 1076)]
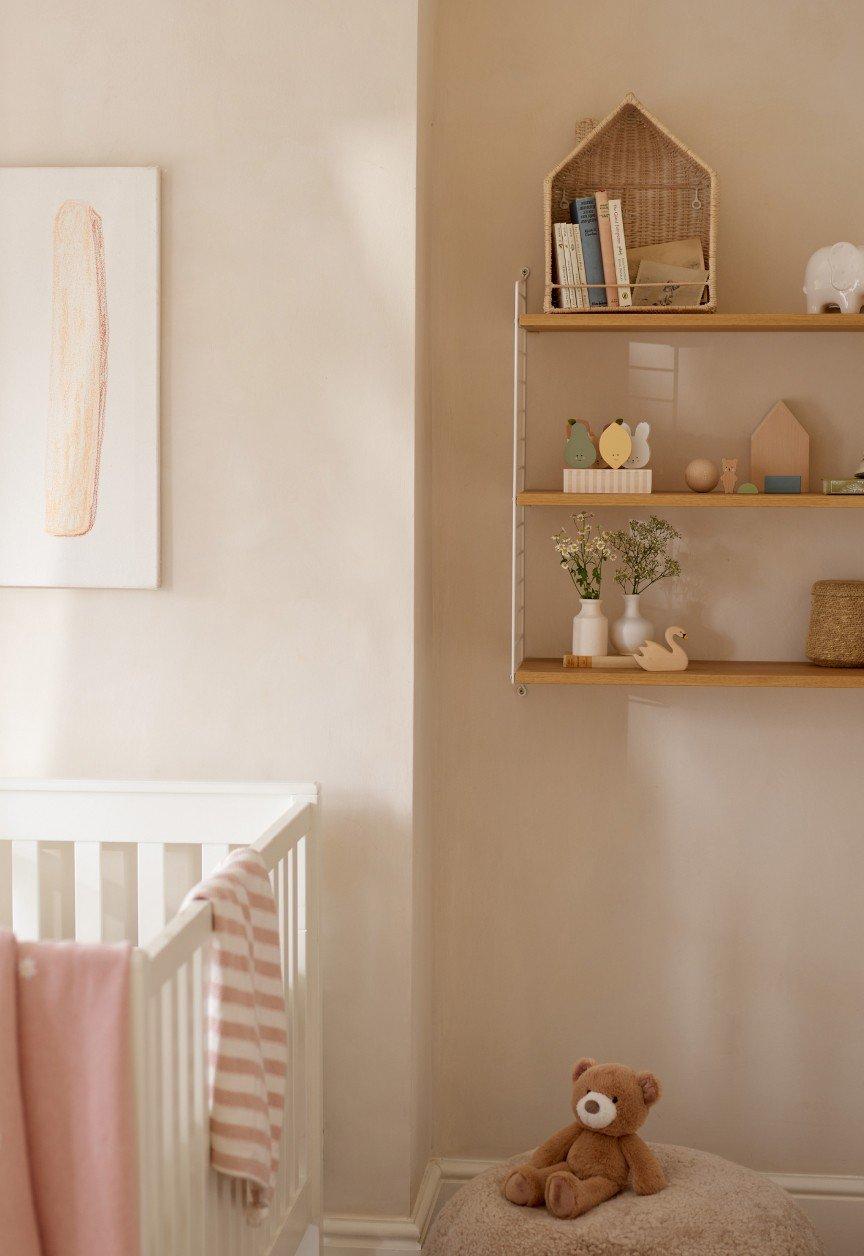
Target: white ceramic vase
[(632, 629), (591, 629)]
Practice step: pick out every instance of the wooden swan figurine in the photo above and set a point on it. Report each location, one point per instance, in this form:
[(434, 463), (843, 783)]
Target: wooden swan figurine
[(653, 658)]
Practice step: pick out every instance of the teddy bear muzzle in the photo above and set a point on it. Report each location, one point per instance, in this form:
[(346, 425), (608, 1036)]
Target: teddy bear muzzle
[(596, 1110)]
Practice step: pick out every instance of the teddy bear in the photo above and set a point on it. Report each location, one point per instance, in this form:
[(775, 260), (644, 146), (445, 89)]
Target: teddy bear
[(595, 1157)]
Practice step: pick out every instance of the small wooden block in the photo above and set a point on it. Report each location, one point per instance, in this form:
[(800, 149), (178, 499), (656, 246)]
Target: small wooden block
[(782, 483), (600, 661), (748, 489)]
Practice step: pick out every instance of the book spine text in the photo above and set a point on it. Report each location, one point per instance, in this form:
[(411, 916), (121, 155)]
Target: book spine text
[(577, 263), (583, 211), (619, 251), (565, 294)]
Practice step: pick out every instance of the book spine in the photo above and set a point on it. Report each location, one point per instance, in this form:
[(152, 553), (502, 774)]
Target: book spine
[(842, 488), (569, 267), (619, 251), (577, 263), (606, 252), (564, 294), (583, 211)]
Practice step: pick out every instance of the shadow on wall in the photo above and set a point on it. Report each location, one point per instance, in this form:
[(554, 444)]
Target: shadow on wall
[(654, 920)]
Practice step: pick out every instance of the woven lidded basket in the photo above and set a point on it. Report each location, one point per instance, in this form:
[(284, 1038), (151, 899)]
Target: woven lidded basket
[(666, 192), (836, 636)]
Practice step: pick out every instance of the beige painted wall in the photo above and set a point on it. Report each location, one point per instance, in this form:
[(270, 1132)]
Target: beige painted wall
[(670, 879), (281, 643)]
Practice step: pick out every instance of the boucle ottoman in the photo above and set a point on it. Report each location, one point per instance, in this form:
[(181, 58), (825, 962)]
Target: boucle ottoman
[(711, 1207)]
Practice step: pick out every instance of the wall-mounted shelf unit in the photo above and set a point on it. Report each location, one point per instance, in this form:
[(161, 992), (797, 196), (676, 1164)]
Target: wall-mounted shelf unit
[(726, 674), (691, 322), (733, 673), (688, 501)]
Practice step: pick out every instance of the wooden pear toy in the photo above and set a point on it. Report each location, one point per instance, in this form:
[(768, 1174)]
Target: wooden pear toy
[(579, 450), (615, 444)]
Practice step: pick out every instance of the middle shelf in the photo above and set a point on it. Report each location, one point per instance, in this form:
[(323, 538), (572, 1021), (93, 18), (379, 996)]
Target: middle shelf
[(649, 501)]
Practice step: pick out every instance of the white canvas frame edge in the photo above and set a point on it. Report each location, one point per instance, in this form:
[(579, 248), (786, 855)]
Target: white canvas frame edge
[(156, 172)]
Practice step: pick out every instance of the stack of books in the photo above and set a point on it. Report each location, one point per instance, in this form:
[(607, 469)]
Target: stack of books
[(595, 267)]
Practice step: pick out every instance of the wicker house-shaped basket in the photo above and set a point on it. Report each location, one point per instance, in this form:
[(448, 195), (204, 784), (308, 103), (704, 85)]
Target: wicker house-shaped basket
[(666, 192)]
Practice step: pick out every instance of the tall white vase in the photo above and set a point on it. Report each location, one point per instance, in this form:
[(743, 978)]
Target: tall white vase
[(632, 629), (591, 629)]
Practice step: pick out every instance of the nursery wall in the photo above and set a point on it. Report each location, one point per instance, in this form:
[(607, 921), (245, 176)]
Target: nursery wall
[(670, 878), (281, 643)]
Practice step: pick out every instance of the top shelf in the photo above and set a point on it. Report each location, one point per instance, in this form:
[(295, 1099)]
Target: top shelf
[(692, 322)]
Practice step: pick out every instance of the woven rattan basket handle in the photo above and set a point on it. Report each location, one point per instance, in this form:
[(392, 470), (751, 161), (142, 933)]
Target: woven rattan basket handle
[(583, 128)]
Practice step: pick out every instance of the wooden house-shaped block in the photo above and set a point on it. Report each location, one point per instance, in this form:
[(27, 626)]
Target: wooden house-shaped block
[(667, 193), (780, 446)]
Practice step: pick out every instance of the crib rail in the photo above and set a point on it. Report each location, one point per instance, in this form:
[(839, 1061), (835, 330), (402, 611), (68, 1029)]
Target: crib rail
[(108, 861), (187, 1209), (114, 860)]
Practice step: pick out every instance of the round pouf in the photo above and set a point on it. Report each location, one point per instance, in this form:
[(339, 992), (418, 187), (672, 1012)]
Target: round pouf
[(711, 1207)]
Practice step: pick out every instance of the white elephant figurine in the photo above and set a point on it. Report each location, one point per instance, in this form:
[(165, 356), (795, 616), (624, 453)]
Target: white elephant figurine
[(835, 276)]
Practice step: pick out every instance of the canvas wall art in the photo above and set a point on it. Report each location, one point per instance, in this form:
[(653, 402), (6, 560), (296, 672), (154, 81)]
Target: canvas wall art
[(79, 377)]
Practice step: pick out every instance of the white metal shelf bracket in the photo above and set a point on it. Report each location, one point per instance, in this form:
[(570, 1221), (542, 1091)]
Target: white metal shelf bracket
[(520, 404)]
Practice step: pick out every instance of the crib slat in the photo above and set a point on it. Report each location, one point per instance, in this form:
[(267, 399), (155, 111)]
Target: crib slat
[(88, 891), (278, 1208), (151, 890), (295, 1028), (199, 1116), (154, 1124), (180, 1067), (168, 1149), (25, 889), (301, 1009), (289, 962)]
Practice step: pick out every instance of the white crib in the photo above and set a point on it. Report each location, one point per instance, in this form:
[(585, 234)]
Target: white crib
[(109, 860)]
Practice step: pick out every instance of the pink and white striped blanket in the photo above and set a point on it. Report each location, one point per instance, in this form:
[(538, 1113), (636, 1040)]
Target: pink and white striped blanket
[(247, 1026)]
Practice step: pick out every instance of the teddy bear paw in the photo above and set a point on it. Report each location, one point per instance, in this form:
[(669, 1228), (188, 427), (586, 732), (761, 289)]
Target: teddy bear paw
[(523, 1187), (562, 1195)]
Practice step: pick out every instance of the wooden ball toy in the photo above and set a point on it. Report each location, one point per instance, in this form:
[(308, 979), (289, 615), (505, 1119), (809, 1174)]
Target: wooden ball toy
[(701, 475)]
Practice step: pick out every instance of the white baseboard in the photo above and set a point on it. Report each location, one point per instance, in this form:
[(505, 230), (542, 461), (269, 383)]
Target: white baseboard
[(834, 1204), (379, 1235)]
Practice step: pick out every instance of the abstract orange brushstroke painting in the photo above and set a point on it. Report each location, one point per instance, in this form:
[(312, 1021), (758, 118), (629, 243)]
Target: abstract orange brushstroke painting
[(79, 371)]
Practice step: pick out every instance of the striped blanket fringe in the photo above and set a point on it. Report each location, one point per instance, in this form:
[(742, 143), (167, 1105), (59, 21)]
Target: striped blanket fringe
[(247, 1028)]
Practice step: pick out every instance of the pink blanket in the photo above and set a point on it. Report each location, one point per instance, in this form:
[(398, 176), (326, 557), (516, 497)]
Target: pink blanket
[(68, 1184), (247, 1027)]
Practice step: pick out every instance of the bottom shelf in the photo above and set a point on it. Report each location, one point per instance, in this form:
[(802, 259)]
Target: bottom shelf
[(700, 672)]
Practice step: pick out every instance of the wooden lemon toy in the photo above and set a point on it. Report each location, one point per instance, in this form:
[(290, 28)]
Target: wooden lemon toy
[(616, 444)]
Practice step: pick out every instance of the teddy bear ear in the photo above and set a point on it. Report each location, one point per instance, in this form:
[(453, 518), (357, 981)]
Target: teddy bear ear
[(651, 1090), (582, 1066)]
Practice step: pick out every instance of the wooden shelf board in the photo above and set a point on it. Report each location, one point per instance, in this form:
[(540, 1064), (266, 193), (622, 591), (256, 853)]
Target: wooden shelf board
[(734, 673), (651, 501), (692, 322), (700, 672)]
